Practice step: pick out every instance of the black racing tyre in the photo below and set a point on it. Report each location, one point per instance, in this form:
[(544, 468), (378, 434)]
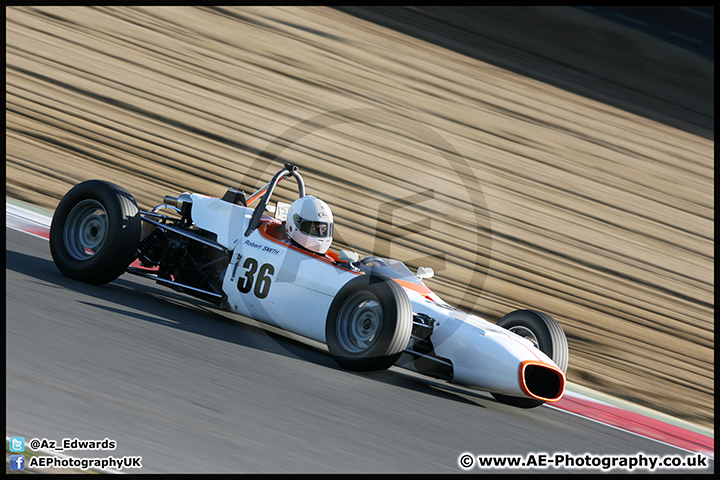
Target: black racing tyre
[(95, 232), (546, 334), (369, 323)]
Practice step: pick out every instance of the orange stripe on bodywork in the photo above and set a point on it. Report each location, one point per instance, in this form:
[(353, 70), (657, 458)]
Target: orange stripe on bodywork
[(335, 257), (526, 390), (529, 349), (418, 287)]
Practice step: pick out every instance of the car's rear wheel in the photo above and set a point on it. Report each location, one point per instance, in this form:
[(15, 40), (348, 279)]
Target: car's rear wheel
[(369, 323), (95, 232), (546, 334)]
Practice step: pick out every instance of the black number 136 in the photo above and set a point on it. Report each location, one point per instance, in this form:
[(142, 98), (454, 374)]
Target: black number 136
[(264, 279)]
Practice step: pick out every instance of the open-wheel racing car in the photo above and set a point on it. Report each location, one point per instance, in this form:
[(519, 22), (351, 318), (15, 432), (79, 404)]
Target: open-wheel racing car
[(371, 313)]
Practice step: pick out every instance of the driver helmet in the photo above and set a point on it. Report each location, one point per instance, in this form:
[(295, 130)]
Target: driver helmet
[(310, 224)]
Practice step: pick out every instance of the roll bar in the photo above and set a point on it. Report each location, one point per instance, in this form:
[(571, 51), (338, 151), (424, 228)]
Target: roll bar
[(289, 170)]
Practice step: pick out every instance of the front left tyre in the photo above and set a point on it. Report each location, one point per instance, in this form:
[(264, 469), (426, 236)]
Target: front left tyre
[(95, 232), (369, 323)]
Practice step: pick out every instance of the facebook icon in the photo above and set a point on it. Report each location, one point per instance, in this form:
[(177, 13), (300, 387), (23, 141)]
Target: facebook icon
[(17, 462)]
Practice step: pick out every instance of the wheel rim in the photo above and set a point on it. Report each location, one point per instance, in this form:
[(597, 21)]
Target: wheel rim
[(359, 322), (85, 230), (527, 334)]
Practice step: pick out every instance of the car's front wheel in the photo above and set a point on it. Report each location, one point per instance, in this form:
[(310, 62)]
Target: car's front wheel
[(369, 323), (95, 232)]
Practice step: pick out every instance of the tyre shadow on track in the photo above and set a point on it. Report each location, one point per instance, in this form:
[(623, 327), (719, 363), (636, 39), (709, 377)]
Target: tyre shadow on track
[(139, 299)]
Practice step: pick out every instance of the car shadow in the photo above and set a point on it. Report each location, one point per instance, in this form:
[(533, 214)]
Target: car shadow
[(165, 307)]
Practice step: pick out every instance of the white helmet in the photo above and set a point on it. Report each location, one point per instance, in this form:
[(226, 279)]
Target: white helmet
[(310, 224)]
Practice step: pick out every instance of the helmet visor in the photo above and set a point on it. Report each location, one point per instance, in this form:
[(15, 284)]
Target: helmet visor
[(315, 229)]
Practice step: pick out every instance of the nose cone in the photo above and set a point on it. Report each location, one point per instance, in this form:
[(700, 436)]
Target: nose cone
[(541, 381), (490, 358)]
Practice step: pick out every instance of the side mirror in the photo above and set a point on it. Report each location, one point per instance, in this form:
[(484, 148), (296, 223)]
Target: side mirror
[(348, 256), (425, 272)]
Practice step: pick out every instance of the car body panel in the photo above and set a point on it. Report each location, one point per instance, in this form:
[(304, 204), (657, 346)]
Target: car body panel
[(291, 289), (482, 354), (225, 219)]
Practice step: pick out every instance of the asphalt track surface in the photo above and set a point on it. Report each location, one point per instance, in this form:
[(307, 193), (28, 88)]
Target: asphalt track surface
[(193, 391)]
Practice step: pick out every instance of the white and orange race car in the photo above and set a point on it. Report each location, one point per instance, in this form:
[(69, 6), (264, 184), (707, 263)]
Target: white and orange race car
[(371, 313)]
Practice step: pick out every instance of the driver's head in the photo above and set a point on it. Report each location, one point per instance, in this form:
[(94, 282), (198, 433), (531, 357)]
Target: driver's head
[(310, 224)]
